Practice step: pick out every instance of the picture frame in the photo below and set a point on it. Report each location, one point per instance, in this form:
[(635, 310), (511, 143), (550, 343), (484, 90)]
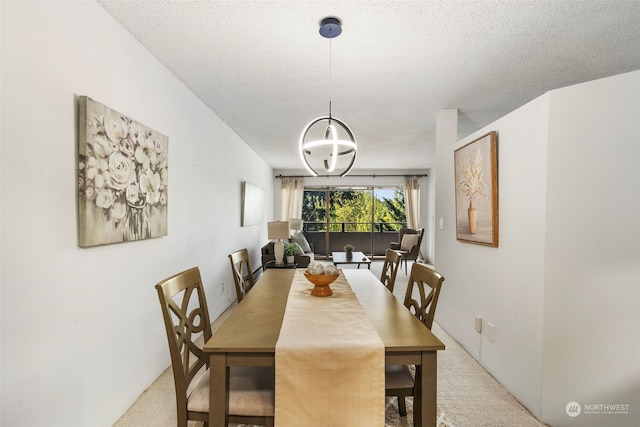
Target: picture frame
[(122, 177), (476, 191), (252, 204)]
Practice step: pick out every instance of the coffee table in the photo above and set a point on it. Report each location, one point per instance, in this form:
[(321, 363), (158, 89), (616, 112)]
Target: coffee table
[(357, 258)]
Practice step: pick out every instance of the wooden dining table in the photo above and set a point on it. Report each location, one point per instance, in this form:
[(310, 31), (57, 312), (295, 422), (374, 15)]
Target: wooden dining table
[(249, 335)]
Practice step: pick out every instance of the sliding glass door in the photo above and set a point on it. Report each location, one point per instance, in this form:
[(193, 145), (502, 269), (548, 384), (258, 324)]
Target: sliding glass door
[(366, 217)]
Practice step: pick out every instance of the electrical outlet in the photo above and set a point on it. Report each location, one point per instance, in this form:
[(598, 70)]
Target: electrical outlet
[(478, 324), (491, 332), (223, 290)]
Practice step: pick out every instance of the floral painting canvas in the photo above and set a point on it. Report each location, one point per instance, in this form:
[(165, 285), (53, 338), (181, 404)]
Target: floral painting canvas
[(122, 177), (476, 186)]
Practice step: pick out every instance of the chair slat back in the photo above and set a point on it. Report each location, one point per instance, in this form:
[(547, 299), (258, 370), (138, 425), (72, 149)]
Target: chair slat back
[(390, 268), (186, 318), (428, 283), (242, 272)]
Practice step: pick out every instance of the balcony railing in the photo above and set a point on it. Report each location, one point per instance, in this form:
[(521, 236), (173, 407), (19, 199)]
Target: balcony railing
[(373, 242)]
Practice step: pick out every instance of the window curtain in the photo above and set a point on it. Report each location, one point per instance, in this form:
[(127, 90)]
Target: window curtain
[(412, 205), (292, 191), (412, 201)]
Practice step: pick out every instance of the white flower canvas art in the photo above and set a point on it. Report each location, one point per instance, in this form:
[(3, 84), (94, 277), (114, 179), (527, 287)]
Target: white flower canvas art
[(122, 177)]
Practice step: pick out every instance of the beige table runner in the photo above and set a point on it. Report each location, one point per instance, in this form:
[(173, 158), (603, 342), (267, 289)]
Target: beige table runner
[(329, 361)]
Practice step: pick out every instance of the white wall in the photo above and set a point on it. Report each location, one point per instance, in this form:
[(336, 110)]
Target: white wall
[(562, 287), (503, 285), (592, 258), (82, 332)]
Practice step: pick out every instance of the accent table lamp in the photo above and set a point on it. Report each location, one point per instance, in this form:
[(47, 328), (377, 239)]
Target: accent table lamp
[(295, 224), (277, 231)]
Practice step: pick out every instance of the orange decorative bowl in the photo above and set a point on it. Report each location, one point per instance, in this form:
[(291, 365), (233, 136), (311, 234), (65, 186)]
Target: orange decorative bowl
[(321, 282)]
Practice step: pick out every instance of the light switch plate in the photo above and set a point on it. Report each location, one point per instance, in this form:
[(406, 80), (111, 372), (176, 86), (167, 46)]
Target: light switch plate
[(478, 324), (491, 336)]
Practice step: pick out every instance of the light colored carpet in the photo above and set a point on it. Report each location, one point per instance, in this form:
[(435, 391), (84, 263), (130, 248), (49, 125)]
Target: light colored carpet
[(157, 407), (467, 395)]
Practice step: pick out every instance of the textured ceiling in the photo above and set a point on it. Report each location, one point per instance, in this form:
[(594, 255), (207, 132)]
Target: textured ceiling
[(262, 67)]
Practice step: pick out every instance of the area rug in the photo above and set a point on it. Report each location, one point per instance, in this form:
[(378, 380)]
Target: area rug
[(392, 418)]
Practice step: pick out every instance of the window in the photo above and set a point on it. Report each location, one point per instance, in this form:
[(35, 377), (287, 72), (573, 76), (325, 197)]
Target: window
[(366, 217)]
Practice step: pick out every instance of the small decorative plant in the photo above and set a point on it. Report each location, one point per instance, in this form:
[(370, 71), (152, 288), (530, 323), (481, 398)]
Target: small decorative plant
[(290, 249), (349, 250)]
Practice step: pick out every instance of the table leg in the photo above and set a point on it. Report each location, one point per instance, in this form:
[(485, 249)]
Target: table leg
[(218, 386), (425, 399)]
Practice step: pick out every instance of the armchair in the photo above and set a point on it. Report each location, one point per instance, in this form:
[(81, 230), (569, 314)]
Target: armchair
[(409, 240)]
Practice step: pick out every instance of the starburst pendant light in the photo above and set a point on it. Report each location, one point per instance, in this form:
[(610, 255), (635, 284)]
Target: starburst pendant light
[(327, 137)]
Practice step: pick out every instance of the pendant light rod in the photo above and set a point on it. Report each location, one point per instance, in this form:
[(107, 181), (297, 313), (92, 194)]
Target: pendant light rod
[(374, 175), (330, 76)]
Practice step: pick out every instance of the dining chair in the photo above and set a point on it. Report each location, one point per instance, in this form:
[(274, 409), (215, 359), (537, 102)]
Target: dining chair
[(186, 320), (390, 267), (409, 241), (242, 272), (424, 283)]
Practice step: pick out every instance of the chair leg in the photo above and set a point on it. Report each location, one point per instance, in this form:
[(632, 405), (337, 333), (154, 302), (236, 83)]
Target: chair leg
[(402, 407)]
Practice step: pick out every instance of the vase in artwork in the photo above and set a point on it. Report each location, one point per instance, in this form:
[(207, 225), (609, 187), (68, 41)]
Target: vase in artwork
[(473, 216), (136, 224)]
